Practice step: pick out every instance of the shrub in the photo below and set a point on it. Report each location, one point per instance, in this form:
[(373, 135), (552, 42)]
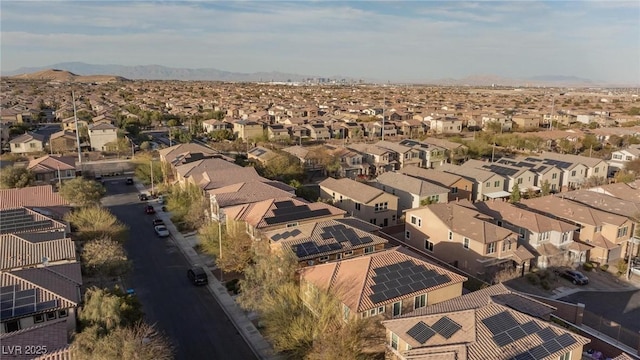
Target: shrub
[(545, 284), (587, 266), (232, 286), (533, 278), (604, 267)]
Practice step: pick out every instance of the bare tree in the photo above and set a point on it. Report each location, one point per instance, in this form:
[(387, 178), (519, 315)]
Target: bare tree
[(105, 257)]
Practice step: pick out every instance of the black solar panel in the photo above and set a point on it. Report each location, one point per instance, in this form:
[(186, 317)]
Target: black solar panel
[(516, 333), (404, 278), (531, 327), (297, 214), (421, 332), (500, 322), (552, 346), (566, 340), (502, 339), (446, 327), (524, 356), (546, 334), (46, 305), (539, 352)]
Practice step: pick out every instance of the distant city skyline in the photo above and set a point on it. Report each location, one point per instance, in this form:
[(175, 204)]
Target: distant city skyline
[(397, 41)]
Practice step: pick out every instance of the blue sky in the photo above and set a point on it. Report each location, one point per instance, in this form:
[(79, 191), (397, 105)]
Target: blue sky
[(396, 41)]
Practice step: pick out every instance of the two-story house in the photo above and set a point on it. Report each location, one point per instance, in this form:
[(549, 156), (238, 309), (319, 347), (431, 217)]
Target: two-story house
[(465, 238), (486, 184), (446, 125), (102, 134), (544, 174), (411, 192), (386, 283), (245, 192), (621, 157), (459, 187), (322, 241), (523, 178), (576, 169), (362, 201), (246, 129), (63, 142), (318, 131), (405, 155), (213, 125), (379, 159), (431, 156)]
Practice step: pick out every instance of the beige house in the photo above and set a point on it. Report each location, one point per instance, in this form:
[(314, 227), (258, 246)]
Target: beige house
[(102, 134), (549, 174), (27, 143), (405, 155), (212, 125), (362, 201), (63, 141), (386, 283), (431, 156), (51, 169), (526, 122), (486, 184), (521, 177), (465, 238), (246, 130), (460, 187), (446, 125), (411, 192)]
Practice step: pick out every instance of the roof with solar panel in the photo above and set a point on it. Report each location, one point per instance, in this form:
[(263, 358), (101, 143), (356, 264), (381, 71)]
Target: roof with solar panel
[(381, 278), (309, 241), (491, 331), (20, 220)]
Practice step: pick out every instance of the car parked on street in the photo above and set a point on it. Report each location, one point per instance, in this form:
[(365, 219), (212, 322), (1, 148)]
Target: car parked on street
[(197, 276), (157, 222), (576, 277), (143, 197), (161, 230), (129, 181), (149, 210)]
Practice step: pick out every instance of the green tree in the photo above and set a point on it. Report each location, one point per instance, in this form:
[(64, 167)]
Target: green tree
[(284, 167), (143, 170), (566, 146), (515, 194), (590, 143), (624, 176), (122, 146), (105, 257), (95, 222), (82, 192), (173, 123), (221, 135), (633, 166), (15, 177), (236, 244), (145, 146), (188, 206), (137, 342), (545, 188), (109, 309)]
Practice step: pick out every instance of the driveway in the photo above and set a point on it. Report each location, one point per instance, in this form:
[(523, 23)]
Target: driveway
[(188, 315), (622, 307)]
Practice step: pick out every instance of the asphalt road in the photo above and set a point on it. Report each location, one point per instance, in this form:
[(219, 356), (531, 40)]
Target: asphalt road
[(622, 307), (190, 316)]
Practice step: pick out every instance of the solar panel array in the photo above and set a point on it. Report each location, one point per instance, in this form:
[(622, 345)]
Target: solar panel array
[(342, 234), (19, 220), (339, 233), (501, 170), (403, 278), (559, 163), (286, 211), (422, 332), (257, 151), (15, 302), (548, 348), (286, 234)]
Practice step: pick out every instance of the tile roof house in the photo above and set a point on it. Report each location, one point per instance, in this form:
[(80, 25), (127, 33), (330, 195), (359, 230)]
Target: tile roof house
[(212, 125), (21, 219), (550, 239), (466, 238), (491, 331), (411, 192), (27, 143), (387, 283), (183, 172), (280, 213), (621, 157), (246, 192), (41, 198), (246, 129), (45, 339), (460, 187), (26, 250), (185, 153), (486, 184), (576, 169), (608, 233), (63, 142), (261, 154), (379, 159), (50, 169), (431, 156), (521, 177), (322, 241), (101, 134), (549, 173), (45, 293), (362, 201), (405, 155)]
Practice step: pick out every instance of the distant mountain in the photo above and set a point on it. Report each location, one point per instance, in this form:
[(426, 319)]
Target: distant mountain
[(545, 80), (158, 72), (67, 76)]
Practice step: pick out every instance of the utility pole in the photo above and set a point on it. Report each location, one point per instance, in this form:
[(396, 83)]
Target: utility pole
[(384, 102), (220, 241), (553, 104), (151, 171), (75, 118), (59, 178)]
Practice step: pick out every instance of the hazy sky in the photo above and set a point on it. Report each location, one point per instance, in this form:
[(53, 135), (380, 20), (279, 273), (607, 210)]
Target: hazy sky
[(397, 41)]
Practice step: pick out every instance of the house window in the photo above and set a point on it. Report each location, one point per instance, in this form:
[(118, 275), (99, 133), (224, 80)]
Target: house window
[(340, 198), (348, 253), (17, 146), (380, 309), (416, 221), (450, 235), (521, 233), (394, 341), (506, 245), (554, 176), (364, 314), (488, 184), (369, 249), (596, 170), (10, 326), (420, 301), (38, 318), (491, 248), (292, 224), (598, 228), (323, 258), (373, 221), (628, 158), (407, 235), (397, 308), (345, 312), (333, 196), (519, 181), (622, 232), (358, 206), (573, 173), (32, 145), (454, 190), (565, 238), (565, 356), (69, 173), (499, 223), (428, 245), (496, 184), (393, 217), (51, 315), (465, 243)]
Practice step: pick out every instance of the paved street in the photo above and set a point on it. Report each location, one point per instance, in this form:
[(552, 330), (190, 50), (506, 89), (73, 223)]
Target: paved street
[(622, 307), (188, 315)]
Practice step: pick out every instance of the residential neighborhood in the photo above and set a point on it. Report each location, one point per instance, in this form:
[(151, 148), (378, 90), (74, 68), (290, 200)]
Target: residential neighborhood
[(448, 234)]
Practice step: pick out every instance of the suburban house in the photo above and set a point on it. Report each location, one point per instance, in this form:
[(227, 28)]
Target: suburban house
[(550, 239), (213, 125), (620, 158), (405, 155), (446, 125), (52, 169), (36, 249), (69, 124), (182, 154), (486, 184), (386, 283), (41, 198), (307, 158), (379, 159), (361, 201), (102, 134), (523, 178), (456, 153), (213, 179), (318, 131), (351, 165), (322, 241), (411, 192), (277, 132), (50, 335), (552, 175), (261, 155), (576, 169), (62, 142), (606, 232), (431, 156), (526, 122), (466, 238), (241, 193), (459, 187), (27, 143), (273, 214), (246, 129), (475, 330), (19, 220), (199, 167)]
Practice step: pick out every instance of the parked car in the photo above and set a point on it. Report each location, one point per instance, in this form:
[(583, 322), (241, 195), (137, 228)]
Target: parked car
[(129, 181), (143, 197), (157, 222), (574, 276), (197, 276), (161, 199), (162, 231), (149, 209)]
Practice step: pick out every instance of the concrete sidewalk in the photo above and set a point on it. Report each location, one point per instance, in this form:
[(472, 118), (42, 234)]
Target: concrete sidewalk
[(260, 347)]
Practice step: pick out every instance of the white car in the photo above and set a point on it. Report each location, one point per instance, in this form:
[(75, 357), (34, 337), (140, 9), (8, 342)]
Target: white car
[(162, 231)]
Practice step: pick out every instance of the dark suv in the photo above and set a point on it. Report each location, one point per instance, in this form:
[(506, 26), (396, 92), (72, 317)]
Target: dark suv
[(197, 276), (576, 277)]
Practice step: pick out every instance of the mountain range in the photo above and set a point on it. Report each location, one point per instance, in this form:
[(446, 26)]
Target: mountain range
[(159, 72)]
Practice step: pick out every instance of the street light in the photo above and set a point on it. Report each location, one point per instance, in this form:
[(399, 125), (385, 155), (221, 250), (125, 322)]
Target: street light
[(220, 241)]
